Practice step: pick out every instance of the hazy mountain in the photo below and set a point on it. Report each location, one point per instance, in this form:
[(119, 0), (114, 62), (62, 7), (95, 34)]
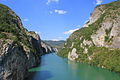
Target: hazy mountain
[(56, 44)]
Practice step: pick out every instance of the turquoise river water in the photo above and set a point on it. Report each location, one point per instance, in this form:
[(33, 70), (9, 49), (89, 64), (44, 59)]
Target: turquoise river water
[(54, 67)]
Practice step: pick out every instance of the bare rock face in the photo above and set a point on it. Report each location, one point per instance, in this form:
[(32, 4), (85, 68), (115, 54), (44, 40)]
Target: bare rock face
[(98, 11), (20, 50), (109, 29), (73, 55), (35, 41), (47, 48), (105, 29), (98, 41), (13, 62)]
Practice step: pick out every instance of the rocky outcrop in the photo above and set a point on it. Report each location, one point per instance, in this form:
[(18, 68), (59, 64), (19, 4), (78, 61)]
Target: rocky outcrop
[(98, 42), (98, 11), (20, 49), (73, 55), (47, 48)]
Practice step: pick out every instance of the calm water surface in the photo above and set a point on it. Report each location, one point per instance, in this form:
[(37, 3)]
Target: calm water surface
[(54, 67)]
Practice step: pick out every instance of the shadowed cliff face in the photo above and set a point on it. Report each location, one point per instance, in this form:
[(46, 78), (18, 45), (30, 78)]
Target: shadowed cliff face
[(98, 42), (19, 49)]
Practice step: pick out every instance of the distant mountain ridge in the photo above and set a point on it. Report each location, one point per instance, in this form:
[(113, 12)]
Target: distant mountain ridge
[(98, 42), (56, 44)]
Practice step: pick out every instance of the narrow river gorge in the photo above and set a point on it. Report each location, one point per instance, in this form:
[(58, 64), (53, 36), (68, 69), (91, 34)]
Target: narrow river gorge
[(54, 67)]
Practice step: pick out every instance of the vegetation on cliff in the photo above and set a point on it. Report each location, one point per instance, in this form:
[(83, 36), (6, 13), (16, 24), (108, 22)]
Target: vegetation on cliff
[(104, 54), (11, 27), (20, 49)]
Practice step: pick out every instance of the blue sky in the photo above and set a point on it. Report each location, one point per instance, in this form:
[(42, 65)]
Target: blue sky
[(53, 19)]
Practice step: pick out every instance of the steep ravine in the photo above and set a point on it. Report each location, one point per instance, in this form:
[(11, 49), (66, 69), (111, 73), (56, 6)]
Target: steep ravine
[(98, 41), (20, 49)]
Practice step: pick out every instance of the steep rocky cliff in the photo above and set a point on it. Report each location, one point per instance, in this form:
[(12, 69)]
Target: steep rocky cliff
[(47, 48), (98, 42), (20, 50)]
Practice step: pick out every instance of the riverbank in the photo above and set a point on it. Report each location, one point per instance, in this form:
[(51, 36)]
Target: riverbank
[(54, 67)]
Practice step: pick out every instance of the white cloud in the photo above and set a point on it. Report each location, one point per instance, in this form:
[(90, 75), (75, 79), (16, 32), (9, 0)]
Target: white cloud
[(25, 19), (71, 31), (58, 39), (49, 1), (51, 12), (55, 40), (98, 2), (60, 11)]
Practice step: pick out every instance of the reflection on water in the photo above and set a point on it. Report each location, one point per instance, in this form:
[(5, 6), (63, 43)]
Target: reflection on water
[(88, 72), (57, 68), (44, 75)]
